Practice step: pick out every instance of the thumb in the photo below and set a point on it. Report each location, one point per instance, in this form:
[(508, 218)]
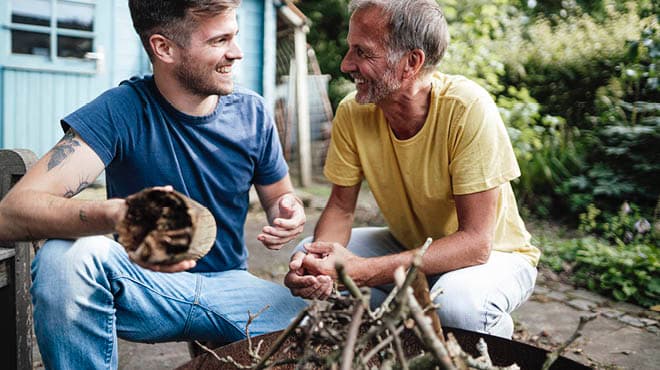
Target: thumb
[(286, 206)]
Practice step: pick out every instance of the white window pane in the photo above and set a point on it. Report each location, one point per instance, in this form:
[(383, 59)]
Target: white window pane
[(36, 12), (75, 16)]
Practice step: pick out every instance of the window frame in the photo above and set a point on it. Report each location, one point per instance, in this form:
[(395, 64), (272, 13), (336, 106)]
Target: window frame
[(52, 62)]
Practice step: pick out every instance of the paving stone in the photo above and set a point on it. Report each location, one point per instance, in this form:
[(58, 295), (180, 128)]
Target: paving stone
[(563, 287), (631, 320), (648, 322), (609, 312), (611, 342), (557, 296), (541, 290), (585, 294), (628, 308), (582, 304)]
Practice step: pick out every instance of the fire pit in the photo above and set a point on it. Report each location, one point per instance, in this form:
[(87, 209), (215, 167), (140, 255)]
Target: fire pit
[(503, 352)]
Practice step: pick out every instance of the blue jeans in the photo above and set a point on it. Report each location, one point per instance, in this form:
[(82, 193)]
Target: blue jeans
[(87, 292), (477, 298)]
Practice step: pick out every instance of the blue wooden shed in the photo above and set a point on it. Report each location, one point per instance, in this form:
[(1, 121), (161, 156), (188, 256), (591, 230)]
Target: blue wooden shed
[(56, 55)]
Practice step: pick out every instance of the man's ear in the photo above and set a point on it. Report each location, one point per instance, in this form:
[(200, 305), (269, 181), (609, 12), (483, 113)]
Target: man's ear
[(163, 48), (414, 63)]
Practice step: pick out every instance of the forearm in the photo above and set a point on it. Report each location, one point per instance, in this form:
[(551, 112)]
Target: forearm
[(334, 225), (455, 251), (30, 215)]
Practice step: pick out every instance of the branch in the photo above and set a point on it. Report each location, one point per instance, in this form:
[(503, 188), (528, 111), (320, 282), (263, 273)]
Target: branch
[(552, 357), (429, 337), (353, 331), (280, 340), (350, 284)]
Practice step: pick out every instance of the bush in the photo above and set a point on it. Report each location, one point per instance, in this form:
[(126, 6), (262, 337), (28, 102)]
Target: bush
[(627, 270)]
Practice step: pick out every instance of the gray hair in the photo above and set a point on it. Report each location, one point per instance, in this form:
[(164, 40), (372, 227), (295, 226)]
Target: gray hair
[(413, 24)]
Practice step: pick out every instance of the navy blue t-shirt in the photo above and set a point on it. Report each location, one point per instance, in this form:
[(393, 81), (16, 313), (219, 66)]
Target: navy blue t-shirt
[(144, 141)]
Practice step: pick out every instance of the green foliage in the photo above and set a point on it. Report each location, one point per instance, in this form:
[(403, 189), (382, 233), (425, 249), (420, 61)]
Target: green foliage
[(621, 159), (327, 35), (624, 264), (563, 63)]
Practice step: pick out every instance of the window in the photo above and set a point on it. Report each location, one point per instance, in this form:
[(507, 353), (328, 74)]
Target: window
[(52, 28)]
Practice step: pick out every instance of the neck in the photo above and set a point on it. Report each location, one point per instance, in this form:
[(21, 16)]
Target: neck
[(182, 99), (406, 110)]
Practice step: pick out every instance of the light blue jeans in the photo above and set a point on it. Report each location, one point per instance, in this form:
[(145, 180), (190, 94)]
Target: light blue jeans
[(87, 292), (478, 298)]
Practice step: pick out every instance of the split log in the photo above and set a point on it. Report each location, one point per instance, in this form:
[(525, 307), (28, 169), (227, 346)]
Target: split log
[(165, 227)]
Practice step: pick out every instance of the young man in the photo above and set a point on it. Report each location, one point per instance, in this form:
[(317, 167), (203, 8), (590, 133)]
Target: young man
[(438, 160), (186, 126)]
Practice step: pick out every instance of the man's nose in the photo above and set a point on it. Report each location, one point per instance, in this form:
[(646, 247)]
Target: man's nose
[(235, 51), (347, 64)]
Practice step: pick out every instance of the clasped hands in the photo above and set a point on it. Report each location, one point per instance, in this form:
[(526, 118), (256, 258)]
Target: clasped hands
[(312, 274)]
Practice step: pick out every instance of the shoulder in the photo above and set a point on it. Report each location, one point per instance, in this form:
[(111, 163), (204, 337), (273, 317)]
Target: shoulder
[(243, 95), (460, 88)]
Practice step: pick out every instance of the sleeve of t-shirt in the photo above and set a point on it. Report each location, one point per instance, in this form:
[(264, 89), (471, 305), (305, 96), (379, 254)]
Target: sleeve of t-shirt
[(102, 122), (271, 167), (342, 164), (481, 157)]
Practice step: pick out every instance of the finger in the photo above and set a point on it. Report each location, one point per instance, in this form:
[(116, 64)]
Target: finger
[(164, 188), (270, 241), (296, 261), (281, 232), (290, 223)]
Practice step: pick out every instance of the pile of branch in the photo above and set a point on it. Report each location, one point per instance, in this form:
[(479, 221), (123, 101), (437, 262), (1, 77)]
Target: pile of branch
[(342, 333)]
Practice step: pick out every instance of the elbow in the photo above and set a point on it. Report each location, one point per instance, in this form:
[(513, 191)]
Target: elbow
[(482, 250)]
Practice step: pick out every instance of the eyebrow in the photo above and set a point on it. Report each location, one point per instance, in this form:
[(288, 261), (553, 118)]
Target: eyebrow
[(222, 35)]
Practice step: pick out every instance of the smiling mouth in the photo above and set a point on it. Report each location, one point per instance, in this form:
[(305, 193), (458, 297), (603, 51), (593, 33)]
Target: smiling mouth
[(224, 69)]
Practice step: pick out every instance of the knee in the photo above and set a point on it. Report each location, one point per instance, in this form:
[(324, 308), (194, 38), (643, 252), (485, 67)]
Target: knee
[(468, 312), (65, 255)]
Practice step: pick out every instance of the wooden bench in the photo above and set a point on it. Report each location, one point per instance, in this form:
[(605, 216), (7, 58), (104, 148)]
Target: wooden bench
[(15, 281)]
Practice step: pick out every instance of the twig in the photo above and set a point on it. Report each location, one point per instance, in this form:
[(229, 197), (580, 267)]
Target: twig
[(253, 354), (552, 357), (429, 337), (280, 340), (350, 284), (383, 343), (227, 360), (353, 331), (482, 347)]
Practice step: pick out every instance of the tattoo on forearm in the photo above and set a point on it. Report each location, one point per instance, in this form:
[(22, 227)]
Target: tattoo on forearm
[(62, 149), (70, 193), (82, 215)]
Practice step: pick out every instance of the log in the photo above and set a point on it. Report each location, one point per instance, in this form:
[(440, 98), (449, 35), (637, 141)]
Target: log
[(164, 227)]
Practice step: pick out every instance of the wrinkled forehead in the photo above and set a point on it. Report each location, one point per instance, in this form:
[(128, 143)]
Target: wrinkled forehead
[(371, 23)]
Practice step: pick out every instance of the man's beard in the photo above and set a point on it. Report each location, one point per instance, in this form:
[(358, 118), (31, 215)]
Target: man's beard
[(378, 90), (194, 78)]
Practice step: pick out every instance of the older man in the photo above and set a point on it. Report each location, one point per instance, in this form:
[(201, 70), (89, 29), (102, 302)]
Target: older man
[(438, 160)]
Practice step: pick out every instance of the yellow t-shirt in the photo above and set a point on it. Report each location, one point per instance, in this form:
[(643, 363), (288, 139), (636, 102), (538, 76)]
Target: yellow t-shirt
[(462, 148)]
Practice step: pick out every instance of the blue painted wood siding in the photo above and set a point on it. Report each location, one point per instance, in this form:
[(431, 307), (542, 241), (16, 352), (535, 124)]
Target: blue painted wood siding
[(251, 41), (35, 97)]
